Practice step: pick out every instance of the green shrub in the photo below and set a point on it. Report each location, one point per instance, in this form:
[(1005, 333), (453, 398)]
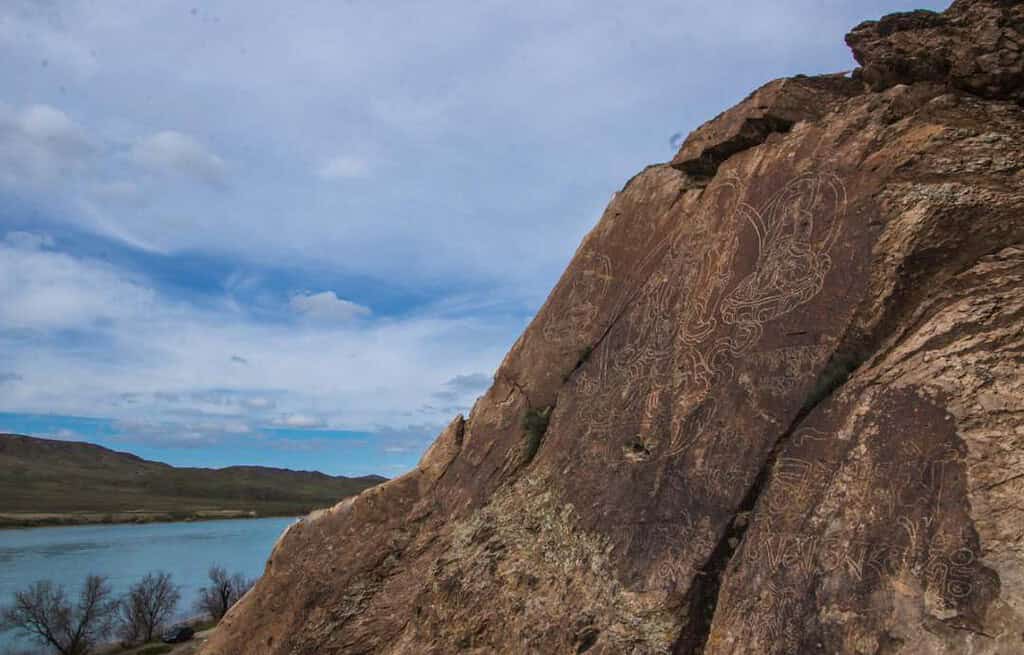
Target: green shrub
[(584, 355), (535, 424)]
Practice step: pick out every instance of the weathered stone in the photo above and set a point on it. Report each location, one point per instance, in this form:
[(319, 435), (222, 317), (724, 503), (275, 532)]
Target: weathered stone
[(783, 405), (775, 107), (443, 451), (974, 46)]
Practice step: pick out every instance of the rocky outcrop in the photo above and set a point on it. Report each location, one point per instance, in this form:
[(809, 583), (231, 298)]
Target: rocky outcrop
[(974, 46), (775, 404)]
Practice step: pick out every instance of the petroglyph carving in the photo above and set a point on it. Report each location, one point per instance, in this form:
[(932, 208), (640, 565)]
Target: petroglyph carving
[(798, 481), (586, 292), (808, 435), (713, 481), (792, 253), (944, 568), (785, 367), (912, 485), (790, 237)]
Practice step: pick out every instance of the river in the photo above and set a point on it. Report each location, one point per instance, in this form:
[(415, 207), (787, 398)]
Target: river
[(125, 553)]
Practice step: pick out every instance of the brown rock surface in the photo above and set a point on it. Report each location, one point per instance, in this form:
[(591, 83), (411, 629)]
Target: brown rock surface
[(782, 382), (974, 46)]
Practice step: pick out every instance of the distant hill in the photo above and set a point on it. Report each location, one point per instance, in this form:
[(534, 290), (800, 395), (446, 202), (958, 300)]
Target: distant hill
[(47, 481)]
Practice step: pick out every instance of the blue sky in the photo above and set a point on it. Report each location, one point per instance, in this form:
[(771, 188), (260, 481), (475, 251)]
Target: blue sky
[(304, 234)]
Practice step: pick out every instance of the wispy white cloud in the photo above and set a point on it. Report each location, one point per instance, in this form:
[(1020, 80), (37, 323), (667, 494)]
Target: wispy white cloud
[(553, 106), (47, 125), (157, 364), (300, 421), (311, 444), (472, 382), (327, 306), (39, 145), (120, 192), (343, 167), (258, 402), (462, 387), (45, 289), (410, 439), (174, 152), (28, 240), (172, 434)]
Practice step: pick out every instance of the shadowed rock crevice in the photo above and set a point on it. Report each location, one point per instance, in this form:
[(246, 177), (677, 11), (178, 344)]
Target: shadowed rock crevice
[(752, 132), (773, 109), (703, 597), (586, 639), (584, 356)]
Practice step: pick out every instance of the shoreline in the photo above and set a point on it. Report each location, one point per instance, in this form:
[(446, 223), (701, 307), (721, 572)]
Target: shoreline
[(29, 520), (203, 627)]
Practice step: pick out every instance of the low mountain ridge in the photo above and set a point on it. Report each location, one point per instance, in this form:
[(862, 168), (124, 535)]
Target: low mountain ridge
[(51, 481)]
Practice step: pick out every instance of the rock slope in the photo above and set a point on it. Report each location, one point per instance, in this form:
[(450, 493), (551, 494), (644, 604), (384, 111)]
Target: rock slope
[(775, 404)]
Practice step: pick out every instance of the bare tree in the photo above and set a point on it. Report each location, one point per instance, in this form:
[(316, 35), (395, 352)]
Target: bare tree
[(148, 606), (45, 614), (223, 592)]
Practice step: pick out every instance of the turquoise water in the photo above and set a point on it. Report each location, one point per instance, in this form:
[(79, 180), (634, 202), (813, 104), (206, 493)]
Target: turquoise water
[(125, 553)]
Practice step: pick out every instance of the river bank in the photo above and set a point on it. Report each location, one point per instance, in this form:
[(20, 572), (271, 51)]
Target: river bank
[(12, 520), (204, 629), (125, 553), (45, 482)]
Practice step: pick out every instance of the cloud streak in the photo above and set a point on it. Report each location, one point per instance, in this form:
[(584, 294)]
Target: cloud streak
[(306, 421), (327, 306), (176, 153), (156, 364), (502, 146), (38, 145), (343, 167)]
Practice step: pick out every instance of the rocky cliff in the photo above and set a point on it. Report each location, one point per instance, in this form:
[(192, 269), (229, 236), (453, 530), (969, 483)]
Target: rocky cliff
[(774, 405)]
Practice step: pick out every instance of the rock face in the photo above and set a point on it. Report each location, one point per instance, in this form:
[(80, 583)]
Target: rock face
[(974, 46), (774, 405)]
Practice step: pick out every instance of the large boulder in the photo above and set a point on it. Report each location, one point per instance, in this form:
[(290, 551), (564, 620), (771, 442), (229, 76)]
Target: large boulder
[(974, 46), (775, 404)]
